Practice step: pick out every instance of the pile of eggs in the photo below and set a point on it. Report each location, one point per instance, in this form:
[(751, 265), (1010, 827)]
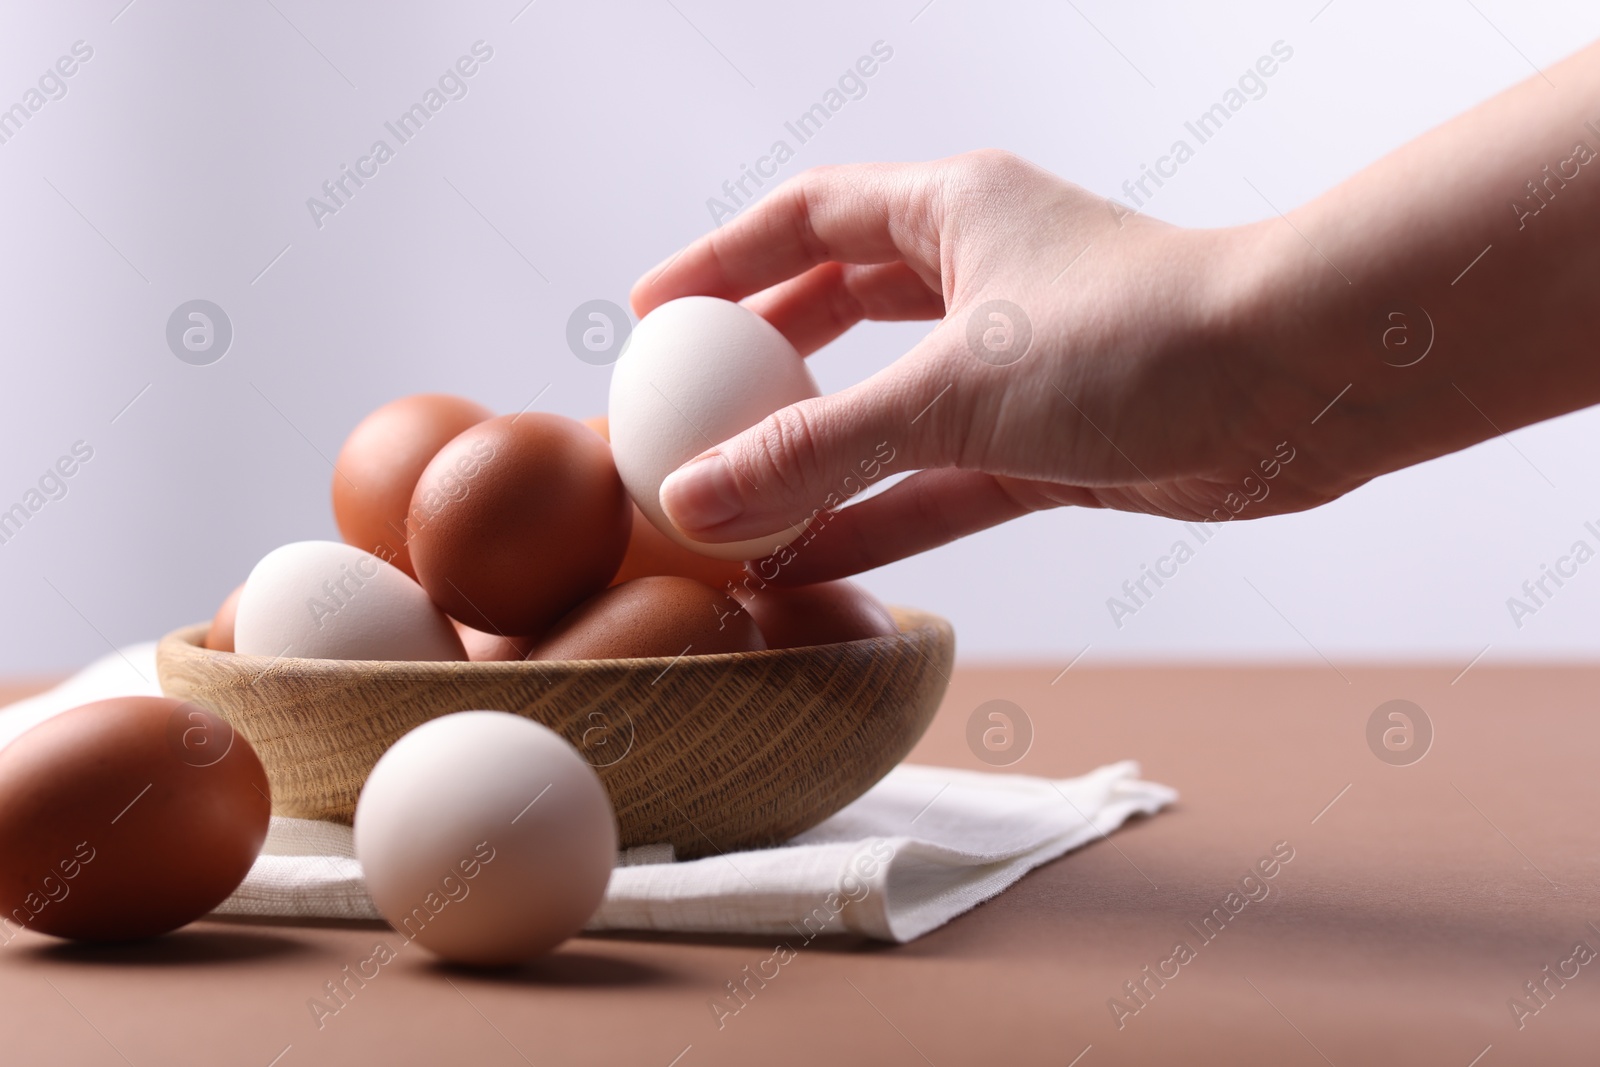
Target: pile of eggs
[(466, 536), (533, 536)]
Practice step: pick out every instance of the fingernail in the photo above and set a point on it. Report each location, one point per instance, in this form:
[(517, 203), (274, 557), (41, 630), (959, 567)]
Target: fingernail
[(702, 493)]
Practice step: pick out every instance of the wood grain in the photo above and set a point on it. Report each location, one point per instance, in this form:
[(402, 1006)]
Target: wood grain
[(709, 753)]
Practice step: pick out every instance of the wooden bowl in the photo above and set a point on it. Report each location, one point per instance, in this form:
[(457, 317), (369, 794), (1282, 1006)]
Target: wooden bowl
[(710, 753)]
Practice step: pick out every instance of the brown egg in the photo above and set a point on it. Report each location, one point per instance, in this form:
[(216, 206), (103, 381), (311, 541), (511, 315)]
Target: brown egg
[(126, 818), (821, 614), (491, 648), (380, 463), (651, 552), (517, 520), (219, 637), (657, 616)]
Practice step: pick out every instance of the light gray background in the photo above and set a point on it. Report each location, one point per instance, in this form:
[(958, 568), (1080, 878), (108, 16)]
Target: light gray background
[(179, 163)]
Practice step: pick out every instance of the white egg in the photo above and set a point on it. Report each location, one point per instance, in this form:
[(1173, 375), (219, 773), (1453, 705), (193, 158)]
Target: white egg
[(485, 837), (694, 373), (326, 600)]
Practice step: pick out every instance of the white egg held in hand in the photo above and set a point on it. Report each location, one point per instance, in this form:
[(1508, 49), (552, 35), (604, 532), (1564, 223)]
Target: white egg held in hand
[(485, 837), (326, 600), (695, 372)]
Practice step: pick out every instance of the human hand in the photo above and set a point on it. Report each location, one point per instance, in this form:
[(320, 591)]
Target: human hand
[(1141, 388)]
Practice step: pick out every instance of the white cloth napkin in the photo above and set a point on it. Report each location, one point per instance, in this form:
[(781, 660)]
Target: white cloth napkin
[(919, 848)]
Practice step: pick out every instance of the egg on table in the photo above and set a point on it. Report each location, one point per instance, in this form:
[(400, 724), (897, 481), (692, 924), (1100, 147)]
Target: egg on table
[(485, 837), (126, 818)]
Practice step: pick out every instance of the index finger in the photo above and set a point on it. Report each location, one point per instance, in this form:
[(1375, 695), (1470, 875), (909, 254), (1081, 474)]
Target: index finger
[(859, 213)]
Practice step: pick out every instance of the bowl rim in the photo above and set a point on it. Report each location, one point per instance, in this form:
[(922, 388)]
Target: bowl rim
[(911, 622)]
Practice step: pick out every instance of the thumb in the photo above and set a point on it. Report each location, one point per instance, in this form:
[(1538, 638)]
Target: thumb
[(814, 455)]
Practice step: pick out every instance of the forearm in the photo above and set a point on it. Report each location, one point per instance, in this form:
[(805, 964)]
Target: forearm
[(1506, 272)]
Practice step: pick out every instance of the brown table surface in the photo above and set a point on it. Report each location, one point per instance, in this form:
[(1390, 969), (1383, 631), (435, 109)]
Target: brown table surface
[(1415, 907)]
